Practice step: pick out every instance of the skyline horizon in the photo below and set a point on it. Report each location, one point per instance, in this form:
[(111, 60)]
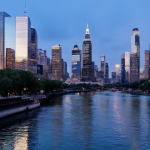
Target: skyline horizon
[(99, 47)]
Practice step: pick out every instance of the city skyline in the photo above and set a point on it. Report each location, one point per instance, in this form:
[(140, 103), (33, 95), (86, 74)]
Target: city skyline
[(68, 34)]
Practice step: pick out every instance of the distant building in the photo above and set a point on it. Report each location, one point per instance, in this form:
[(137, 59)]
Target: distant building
[(3, 15), (57, 63), (127, 66), (103, 65), (10, 58), (142, 74), (42, 60), (34, 45), (123, 68), (147, 64), (113, 75), (87, 70), (48, 68), (117, 69), (76, 62), (135, 55), (106, 73)]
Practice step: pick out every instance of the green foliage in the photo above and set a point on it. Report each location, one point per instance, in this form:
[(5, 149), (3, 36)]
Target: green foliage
[(19, 81)]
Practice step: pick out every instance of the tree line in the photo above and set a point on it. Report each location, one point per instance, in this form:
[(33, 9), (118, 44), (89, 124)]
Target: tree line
[(18, 82)]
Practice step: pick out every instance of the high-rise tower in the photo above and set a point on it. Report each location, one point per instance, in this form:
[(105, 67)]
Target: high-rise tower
[(103, 66), (122, 68), (135, 55), (87, 70), (3, 15)]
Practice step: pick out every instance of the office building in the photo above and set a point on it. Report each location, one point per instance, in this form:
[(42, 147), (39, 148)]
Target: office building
[(113, 75), (3, 16), (76, 62), (135, 55), (42, 60), (147, 64), (87, 70), (127, 66), (103, 65), (117, 69), (106, 72), (57, 66), (23, 43), (34, 45), (123, 68), (10, 58)]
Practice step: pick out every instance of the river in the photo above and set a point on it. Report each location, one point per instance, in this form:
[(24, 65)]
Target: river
[(94, 120)]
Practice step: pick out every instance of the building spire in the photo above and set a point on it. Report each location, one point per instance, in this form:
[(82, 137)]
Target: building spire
[(87, 28), (25, 10)]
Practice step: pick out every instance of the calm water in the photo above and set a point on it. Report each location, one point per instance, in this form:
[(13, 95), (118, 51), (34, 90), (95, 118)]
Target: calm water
[(99, 120)]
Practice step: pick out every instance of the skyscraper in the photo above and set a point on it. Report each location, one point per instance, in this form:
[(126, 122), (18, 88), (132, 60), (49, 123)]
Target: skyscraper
[(147, 64), (127, 66), (57, 61), (10, 58), (87, 70), (76, 62), (113, 75), (123, 68), (2, 38), (117, 69), (10, 37), (33, 50), (135, 55), (23, 43), (106, 72), (103, 65)]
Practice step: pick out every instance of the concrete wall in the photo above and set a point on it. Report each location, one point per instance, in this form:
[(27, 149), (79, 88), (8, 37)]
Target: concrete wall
[(12, 111)]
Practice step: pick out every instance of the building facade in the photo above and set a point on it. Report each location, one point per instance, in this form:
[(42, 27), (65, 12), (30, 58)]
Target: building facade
[(76, 62), (113, 76), (106, 73), (87, 70), (23, 43), (34, 45), (127, 66), (147, 64), (57, 66), (3, 15), (117, 69), (135, 55), (10, 58), (103, 65), (123, 68)]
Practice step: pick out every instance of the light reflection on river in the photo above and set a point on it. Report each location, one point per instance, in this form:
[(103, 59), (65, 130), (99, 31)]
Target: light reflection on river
[(96, 120)]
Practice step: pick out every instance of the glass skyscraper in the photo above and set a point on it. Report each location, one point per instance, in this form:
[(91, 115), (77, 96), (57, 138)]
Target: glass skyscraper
[(23, 43), (127, 66), (87, 70), (10, 36), (2, 38), (106, 72), (76, 62), (123, 68), (147, 64), (103, 66), (117, 69), (135, 55)]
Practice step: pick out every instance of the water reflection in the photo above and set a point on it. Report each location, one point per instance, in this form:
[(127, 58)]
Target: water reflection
[(82, 121)]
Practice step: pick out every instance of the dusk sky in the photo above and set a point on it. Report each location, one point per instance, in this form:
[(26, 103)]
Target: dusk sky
[(64, 22)]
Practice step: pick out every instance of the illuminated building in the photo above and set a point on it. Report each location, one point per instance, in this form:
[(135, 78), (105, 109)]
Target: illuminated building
[(33, 50), (10, 58), (123, 68), (142, 74), (76, 62), (117, 69), (3, 15), (135, 55), (87, 70), (147, 64), (23, 43), (103, 66), (106, 72), (57, 66), (127, 66)]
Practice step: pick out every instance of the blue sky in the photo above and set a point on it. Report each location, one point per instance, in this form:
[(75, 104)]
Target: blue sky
[(64, 22)]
